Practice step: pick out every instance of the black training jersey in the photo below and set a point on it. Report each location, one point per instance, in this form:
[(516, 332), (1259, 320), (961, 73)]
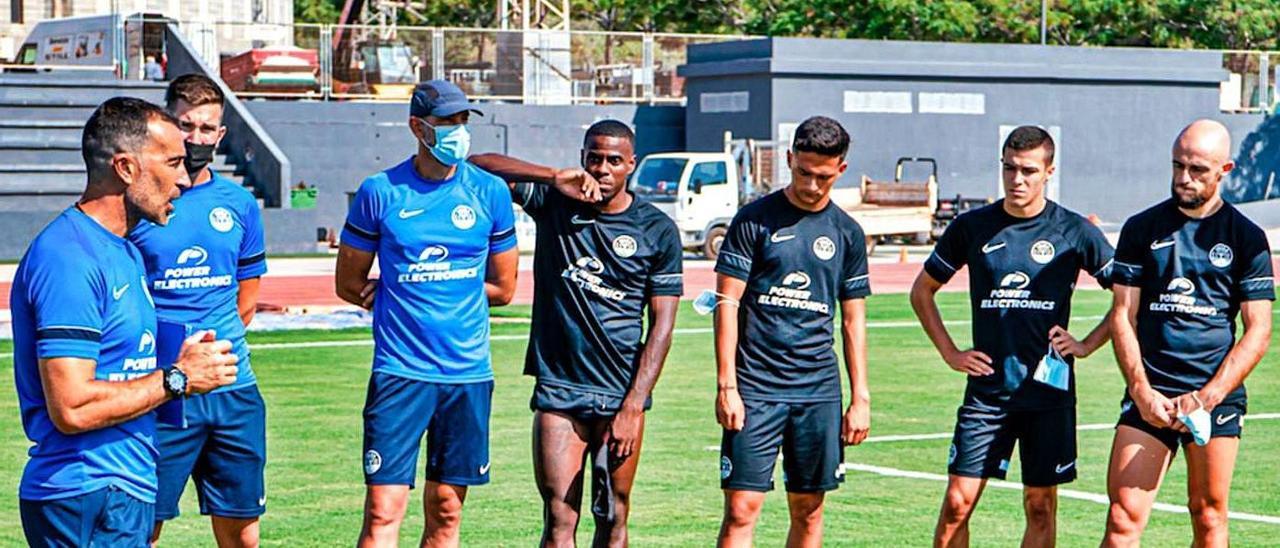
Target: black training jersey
[(1193, 274), (1022, 273), (798, 265), (593, 277)]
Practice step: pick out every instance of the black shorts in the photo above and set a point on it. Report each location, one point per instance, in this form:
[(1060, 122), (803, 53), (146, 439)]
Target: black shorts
[(1227, 420), (578, 404), (808, 435), (984, 439)]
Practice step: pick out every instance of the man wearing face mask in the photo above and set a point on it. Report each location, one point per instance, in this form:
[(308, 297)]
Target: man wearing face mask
[(1024, 254), (1185, 269), (203, 270), (443, 233), (598, 266)]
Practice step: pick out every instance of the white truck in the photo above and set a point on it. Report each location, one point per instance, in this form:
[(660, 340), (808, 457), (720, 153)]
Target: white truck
[(702, 191)]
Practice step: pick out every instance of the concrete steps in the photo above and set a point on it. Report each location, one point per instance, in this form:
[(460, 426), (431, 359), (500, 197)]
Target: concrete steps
[(41, 122)]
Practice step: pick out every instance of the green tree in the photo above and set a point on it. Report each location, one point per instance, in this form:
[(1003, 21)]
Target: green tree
[(317, 11), (1218, 24)]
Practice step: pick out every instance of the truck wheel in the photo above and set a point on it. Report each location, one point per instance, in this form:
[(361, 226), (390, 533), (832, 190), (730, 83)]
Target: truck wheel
[(711, 246)]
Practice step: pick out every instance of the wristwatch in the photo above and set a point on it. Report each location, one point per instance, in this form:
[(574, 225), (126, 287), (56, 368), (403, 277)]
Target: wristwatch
[(175, 382)]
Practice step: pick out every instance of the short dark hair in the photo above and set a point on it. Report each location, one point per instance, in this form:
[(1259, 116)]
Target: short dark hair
[(195, 89), (821, 135), (1030, 138), (118, 125), (610, 128)]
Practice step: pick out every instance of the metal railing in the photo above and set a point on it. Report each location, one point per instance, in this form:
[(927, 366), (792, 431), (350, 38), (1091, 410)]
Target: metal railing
[(373, 63)]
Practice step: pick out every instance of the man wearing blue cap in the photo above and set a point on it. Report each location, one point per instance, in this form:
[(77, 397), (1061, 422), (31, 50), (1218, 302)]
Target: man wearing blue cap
[(443, 232)]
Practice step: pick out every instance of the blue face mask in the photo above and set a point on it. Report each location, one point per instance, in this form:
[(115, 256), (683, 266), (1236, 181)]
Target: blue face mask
[(453, 143), (1054, 370)]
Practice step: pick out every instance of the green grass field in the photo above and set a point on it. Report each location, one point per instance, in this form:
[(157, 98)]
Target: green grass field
[(314, 488)]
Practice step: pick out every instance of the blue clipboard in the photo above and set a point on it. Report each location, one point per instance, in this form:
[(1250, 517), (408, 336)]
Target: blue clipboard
[(169, 338)]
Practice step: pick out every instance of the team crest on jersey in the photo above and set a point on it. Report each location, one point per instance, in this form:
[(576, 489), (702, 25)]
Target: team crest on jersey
[(726, 467), (624, 246), (372, 462), (824, 248), (1042, 252), (463, 217), (1221, 256), (220, 219)]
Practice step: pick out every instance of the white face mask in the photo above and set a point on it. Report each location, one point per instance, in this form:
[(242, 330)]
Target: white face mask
[(1199, 422), (707, 302)]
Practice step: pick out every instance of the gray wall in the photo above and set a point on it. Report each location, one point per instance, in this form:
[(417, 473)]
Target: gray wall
[(1118, 109), (333, 146)]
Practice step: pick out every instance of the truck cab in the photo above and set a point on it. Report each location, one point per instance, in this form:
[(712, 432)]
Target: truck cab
[(699, 191)]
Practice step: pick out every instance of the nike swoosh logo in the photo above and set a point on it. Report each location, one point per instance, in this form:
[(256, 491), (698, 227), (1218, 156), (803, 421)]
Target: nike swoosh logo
[(779, 238), (484, 469), (407, 213), (1161, 245), (262, 501), (119, 291), (988, 248), (577, 221), (1226, 418), (1064, 467)]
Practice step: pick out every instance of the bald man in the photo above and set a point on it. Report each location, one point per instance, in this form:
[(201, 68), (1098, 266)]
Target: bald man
[(1184, 269)]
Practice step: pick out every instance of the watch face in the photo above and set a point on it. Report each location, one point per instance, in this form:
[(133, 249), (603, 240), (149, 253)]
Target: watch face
[(176, 380)]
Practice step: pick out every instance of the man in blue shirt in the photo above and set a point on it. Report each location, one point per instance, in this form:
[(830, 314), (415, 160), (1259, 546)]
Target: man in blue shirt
[(85, 341), (203, 269), (1185, 269), (443, 232)]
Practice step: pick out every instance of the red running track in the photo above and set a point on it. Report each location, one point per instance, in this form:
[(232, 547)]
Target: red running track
[(317, 290)]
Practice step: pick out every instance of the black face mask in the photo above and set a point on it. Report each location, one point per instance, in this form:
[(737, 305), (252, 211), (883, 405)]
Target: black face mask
[(198, 157)]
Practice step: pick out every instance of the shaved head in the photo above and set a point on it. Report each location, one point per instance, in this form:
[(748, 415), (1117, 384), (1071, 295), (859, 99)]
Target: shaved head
[(1208, 138), (1201, 158)]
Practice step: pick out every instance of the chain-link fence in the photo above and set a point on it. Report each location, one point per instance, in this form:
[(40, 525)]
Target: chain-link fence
[(377, 63)]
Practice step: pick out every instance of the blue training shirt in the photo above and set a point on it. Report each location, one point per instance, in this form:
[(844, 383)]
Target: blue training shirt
[(195, 263), (81, 292), (433, 240)]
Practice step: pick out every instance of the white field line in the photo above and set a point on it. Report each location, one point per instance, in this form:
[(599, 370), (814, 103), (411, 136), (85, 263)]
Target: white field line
[(684, 331), (1065, 493)]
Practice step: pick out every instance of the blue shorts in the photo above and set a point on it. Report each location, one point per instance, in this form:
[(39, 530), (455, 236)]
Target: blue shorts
[(106, 517), (808, 435), (223, 449), (455, 418)]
